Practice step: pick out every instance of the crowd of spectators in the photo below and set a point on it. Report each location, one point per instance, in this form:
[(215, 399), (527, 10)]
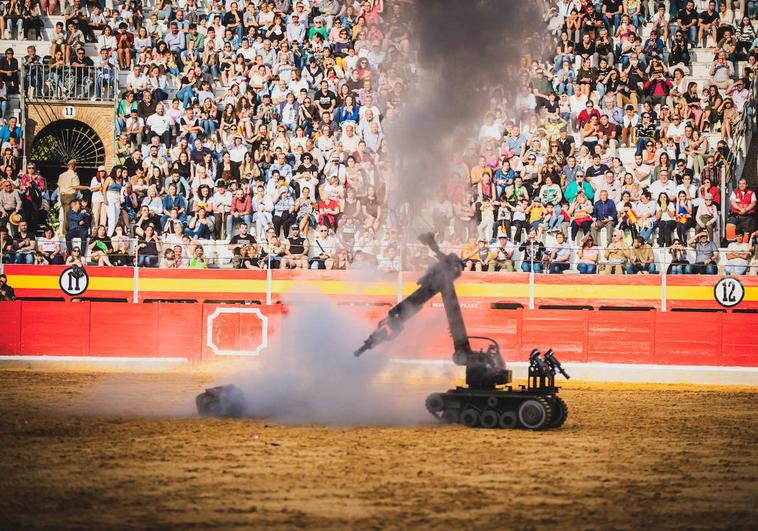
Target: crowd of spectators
[(258, 125)]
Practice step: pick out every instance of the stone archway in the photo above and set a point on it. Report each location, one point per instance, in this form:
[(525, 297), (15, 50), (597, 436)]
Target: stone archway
[(62, 140), (46, 115)]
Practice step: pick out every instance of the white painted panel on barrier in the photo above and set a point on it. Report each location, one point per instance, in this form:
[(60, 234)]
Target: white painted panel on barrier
[(217, 351)]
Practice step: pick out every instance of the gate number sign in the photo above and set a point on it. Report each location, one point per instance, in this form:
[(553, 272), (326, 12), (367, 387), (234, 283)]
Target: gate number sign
[(74, 281), (729, 292)]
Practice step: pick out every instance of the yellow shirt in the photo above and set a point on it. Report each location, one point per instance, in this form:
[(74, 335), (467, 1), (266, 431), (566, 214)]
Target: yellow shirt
[(536, 213), (67, 181)]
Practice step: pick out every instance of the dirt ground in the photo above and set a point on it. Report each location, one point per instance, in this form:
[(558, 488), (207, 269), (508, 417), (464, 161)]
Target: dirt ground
[(628, 457)]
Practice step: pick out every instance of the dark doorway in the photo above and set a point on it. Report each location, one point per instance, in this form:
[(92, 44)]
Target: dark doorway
[(62, 141)]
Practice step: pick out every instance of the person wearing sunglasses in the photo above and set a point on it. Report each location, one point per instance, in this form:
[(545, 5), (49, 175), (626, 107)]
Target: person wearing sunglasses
[(323, 250)]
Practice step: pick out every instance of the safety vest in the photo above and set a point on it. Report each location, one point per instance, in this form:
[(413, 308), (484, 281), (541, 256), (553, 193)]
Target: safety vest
[(744, 198)]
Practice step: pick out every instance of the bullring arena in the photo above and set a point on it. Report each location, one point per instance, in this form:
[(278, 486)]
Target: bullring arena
[(630, 456), (378, 264), (111, 442)]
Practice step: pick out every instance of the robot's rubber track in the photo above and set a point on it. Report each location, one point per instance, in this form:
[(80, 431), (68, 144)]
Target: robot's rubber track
[(498, 409)]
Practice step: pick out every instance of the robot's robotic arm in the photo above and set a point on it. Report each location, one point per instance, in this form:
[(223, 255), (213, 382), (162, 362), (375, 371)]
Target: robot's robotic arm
[(484, 369), (439, 278)]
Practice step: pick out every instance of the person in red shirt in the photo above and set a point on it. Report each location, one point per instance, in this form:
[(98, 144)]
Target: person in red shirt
[(329, 209), (586, 113), (240, 212), (658, 88), (608, 133), (124, 44), (742, 208), (32, 187)]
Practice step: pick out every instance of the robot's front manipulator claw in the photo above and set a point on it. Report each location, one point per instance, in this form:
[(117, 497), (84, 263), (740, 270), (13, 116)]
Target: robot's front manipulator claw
[(385, 331)]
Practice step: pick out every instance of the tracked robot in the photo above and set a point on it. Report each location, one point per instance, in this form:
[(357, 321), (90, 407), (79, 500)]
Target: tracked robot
[(487, 400)]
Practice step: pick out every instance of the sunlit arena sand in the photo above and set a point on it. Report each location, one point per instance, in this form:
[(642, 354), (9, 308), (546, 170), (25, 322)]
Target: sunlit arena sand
[(115, 450)]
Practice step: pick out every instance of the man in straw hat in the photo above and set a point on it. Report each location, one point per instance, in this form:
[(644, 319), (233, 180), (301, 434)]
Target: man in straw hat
[(68, 186), (10, 205)]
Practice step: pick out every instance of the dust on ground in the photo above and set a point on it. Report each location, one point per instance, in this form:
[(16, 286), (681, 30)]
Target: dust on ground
[(628, 457)]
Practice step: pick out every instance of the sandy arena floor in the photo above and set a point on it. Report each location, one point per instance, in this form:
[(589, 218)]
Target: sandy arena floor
[(628, 457)]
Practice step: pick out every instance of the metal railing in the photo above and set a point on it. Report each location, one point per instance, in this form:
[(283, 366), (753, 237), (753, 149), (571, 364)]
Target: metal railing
[(217, 254), (43, 82)]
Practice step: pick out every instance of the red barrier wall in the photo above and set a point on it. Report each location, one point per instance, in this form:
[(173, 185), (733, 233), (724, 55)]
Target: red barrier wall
[(166, 330)]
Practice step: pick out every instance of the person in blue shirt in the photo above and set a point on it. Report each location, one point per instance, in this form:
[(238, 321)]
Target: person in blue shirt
[(11, 126), (174, 39), (174, 200), (653, 47), (504, 177), (605, 215), (77, 222)]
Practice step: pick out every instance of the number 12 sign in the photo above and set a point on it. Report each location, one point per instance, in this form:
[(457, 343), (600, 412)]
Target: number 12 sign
[(729, 292)]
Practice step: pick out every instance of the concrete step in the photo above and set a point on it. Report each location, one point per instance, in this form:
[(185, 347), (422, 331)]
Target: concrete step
[(43, 47), (702, 55), (626, 154), (700, 70)]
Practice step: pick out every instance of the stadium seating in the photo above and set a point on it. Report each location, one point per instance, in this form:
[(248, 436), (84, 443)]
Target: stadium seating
[(368, 234)]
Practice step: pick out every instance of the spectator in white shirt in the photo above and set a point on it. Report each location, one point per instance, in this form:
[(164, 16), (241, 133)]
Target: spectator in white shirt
[(159, 124), (136, 81), (663, 184), (737, 255)]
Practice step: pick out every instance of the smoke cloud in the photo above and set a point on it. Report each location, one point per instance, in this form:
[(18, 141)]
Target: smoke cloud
[(310, 375), (465, 50)]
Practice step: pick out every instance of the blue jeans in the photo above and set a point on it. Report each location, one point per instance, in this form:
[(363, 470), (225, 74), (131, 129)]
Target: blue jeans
[(601, 90), (186, 95), (631, 269), (536, 267), (734, 269), (9, 24), (231, 221), (145, 260), (677, 269), (24, 258), (213, 69), (701, 268), (648, 232), (557, 268), (104, 86), (201, 232), (209, 126), (692, 34), (607, 23), (586, 269), (568, 88), (641, 144), (555, 221)]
